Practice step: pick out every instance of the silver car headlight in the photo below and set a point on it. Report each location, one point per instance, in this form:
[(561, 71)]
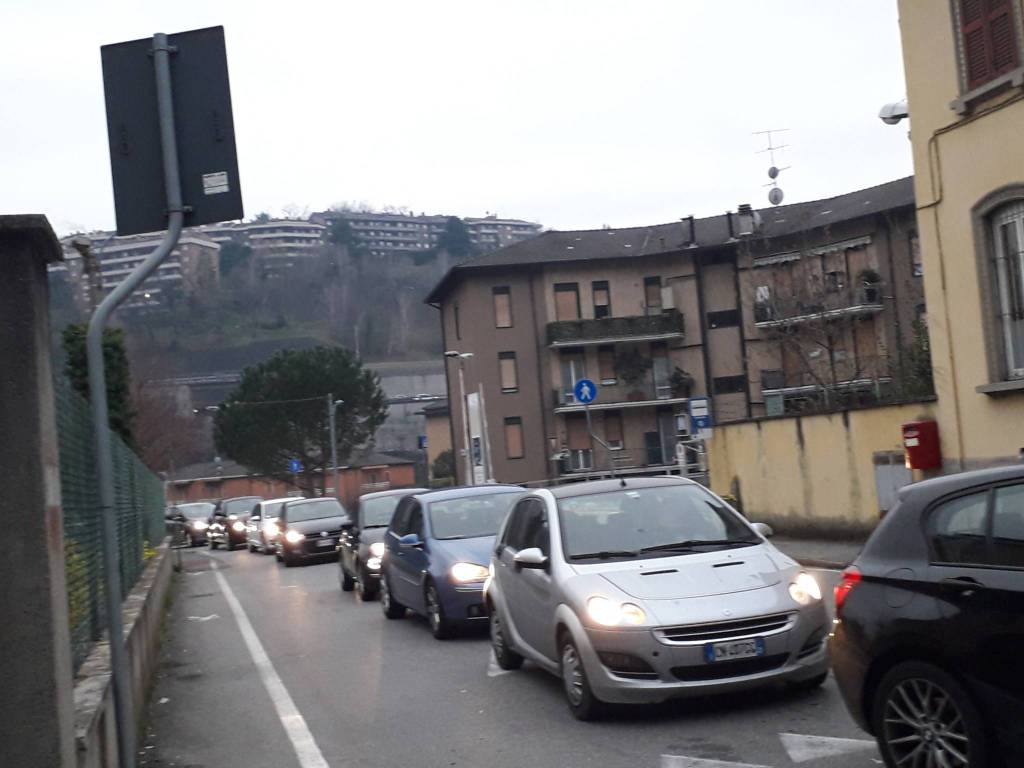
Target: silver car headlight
[(377, 549), (805, 589), (199, 525), (270, 530), (609, 613)]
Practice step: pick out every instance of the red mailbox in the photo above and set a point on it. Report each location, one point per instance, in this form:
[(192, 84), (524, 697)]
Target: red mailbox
[(921, 445)]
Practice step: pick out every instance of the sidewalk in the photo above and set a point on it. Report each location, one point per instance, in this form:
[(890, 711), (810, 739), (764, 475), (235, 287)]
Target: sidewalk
[(819, 553)]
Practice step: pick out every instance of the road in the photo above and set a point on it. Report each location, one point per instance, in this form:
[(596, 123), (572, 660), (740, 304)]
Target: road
[(268, 666)]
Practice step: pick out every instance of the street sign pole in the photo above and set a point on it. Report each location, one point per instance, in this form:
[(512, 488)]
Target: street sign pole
[(585, 392), (120, 680), (331, 421)]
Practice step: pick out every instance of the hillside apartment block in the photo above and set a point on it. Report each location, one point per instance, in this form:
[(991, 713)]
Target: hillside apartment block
[(965, 91), (766, 312)]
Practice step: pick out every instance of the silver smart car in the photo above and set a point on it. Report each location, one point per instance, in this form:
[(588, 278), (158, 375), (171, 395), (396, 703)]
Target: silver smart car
[(643, 589)]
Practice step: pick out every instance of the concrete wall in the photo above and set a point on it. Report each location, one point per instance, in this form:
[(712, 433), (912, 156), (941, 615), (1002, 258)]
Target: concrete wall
[(95, 721), (960, 160), (812, 471)]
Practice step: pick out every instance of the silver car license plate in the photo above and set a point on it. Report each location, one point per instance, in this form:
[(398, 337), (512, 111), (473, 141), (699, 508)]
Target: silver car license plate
[(737, 649), (325, 543)]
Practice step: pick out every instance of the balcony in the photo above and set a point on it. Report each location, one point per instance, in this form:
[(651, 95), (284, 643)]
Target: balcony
[(609, 330), (865, 300), (649, 391)]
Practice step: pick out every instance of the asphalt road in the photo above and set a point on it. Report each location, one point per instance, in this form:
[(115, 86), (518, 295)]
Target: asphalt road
[(268, 666)]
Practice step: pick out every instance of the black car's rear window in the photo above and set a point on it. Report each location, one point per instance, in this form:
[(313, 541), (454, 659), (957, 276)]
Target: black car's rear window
[(314, 509)]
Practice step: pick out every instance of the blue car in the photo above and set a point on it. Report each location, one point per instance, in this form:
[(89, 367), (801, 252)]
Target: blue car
[(436, 553)]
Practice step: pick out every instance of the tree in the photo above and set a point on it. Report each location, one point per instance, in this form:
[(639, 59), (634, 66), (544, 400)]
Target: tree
[(444, 465), (165, 436), (279, 413), (453, 246), (233, 254), (115, 362)]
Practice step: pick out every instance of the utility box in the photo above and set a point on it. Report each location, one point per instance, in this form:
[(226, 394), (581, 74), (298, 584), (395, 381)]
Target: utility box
[(921, 445)]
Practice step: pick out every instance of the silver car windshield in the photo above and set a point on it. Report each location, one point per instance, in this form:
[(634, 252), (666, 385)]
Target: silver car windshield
[(663, 520), (198, 511), (470, 517)]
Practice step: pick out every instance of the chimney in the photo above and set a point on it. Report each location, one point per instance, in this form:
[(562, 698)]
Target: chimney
[(746, 221), (689, 232)]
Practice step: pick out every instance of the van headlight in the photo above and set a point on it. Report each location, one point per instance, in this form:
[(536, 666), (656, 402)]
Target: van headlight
[(467, 572), (238, 525), (270, 530), (294, 537), (377, 549), (608, 613), (805, 589)]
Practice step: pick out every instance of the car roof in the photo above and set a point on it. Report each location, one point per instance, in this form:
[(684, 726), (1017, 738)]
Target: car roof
[(284, 498), (466, 491), (239, 498), (392, 492), (605, 486), (926, 491)]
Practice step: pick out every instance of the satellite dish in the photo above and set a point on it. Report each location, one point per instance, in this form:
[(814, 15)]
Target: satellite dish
[(773, 172), (775, 196)]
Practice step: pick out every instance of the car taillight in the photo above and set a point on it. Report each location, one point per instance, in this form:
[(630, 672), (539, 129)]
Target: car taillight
[(851, 578)]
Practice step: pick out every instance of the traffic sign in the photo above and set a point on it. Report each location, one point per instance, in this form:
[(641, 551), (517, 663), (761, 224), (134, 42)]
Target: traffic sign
[(701, 420), (423, 442), (295, 465), (585, 391)]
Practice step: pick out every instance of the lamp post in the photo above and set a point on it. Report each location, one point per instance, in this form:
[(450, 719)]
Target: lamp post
[(332, 409), (462, 357)]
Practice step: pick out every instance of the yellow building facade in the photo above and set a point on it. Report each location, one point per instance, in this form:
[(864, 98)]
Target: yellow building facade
[(965, 92)]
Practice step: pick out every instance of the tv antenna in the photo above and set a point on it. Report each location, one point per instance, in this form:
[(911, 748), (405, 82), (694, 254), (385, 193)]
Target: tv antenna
[(775, 194)]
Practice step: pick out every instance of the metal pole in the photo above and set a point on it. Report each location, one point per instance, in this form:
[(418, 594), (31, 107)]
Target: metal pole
[(488, 463), (466, 440), (334, 443), (119, 667), (602, 443)]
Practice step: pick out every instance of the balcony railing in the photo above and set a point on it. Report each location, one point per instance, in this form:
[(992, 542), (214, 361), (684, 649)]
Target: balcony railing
[(865, 300), (648, 390), (570, 333), (383, 485)]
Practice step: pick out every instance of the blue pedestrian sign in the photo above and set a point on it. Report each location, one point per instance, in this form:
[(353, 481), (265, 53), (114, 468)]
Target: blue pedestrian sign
[(700, 417), (295, 465), (585, 392)]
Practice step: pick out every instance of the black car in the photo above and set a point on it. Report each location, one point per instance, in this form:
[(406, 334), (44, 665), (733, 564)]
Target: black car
[(227, 523), (309, 528), (194, 518), (928, 644), (362, 541)]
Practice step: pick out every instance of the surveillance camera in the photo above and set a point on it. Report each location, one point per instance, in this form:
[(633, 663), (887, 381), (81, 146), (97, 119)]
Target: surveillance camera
[(892, 113)]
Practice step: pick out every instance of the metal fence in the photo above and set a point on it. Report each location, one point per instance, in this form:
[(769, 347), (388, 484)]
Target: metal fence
[(139, 502)]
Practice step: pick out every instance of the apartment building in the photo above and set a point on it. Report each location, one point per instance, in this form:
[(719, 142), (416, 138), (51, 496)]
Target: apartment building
[(398, 234), (965, 90), (656, 315), (193, 264)]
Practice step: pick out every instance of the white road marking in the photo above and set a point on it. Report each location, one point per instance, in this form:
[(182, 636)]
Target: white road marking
[(306, 749), (203, 618), (681, 761), (493, 670), (802, 748)]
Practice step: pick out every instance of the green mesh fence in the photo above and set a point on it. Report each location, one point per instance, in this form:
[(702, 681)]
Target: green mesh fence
[(139, 501)]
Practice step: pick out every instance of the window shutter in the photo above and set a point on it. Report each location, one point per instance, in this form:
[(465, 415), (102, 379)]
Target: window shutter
[(1003, 36), (989, 32)]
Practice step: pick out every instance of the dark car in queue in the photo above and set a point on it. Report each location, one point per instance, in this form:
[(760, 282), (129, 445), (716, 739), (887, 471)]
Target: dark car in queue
[(361, 547), (261, 529), (436, 554), (929, 631), (194, 517), (227, 522), (309, 528)]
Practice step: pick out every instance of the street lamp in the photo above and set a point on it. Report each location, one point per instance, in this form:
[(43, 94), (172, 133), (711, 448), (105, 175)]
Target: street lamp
[(332, 410), (462, 357)]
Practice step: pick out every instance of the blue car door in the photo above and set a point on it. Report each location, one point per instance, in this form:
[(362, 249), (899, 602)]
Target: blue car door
[(408, 564)]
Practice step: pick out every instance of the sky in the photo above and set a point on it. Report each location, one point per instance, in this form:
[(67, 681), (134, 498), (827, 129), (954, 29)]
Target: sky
[(573, 113)]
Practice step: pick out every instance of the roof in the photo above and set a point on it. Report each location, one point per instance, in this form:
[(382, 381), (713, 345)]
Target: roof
[(437, 409), (608, 486), (927, 491), (464, 491), (713, 231)]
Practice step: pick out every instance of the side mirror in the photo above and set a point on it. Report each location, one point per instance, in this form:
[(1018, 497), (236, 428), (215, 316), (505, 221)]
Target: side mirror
[(763, 529), (410, 541), (531, 557)]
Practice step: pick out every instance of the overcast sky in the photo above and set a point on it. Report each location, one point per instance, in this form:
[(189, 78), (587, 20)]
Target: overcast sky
[(574, 113)]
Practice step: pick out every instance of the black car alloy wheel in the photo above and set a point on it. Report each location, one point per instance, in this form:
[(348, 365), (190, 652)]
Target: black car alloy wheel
[(439, 625), (391, 607), (923, 716)]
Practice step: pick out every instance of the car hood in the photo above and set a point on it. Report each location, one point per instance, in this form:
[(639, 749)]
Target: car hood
[(697, 575), (476, 550), (316, 526), (372, 535)]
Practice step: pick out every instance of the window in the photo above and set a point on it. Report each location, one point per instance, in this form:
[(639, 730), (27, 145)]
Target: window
[(917, 266), (400, 522), (729, 385), (415, 524), (613, 429), (573, 369), (606, 365), (602, 299), (834, 281), (567, 301), (458, 328), (988, 40), (514, 437), (956, 529), (502, 307), (509, 374), (652, 295), (1008, 236), (726, 318), (529, 527), (1008, 527)]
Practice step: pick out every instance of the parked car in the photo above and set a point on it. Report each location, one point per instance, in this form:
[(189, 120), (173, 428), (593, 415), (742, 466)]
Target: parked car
[(930, 624), (645, 589), (261, 528), (309, 528), (361, 546), (436, 552), (195, 518), (227, 523)]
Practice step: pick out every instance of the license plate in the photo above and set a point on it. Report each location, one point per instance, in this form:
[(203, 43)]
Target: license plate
[(737, 649), (325, 543)]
